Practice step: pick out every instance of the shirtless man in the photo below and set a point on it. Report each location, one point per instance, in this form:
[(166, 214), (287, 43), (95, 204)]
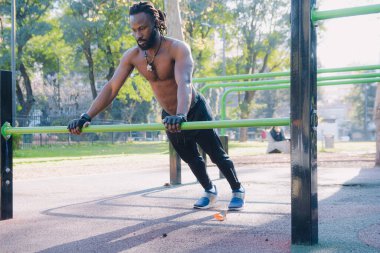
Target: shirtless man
[(167, 64)]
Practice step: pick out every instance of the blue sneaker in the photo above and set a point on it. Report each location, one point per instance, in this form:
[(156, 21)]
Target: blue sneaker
[(238, 200), (208, 199)]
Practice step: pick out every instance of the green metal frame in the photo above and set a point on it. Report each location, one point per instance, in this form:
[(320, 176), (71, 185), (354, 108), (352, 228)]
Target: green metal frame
[(223, 113), (278, 74), (7, 130), (280, 81), (346, 12)]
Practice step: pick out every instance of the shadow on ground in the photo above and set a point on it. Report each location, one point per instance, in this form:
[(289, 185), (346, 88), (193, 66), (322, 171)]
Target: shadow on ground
[(160, 219)]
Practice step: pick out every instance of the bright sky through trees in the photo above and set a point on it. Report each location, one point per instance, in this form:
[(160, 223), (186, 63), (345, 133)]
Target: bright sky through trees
[(349, 41)]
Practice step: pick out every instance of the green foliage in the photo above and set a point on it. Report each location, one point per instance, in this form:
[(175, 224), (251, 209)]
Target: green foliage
[(136, 88), (51, 51), (5, 39), (264, 35), (201, 20), (16, 142), (79, 38), (133, 102), (30, 23)]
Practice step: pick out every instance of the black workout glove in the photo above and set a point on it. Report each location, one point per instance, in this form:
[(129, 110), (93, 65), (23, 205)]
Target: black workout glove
[(75, 126), (173, 123)]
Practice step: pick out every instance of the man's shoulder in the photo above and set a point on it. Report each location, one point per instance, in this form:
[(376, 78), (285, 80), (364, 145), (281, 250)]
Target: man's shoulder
[(133, 51), (177, 45), (130, 54)]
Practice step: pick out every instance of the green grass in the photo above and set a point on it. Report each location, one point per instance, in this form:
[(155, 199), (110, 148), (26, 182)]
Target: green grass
[(79, 150), (350, 147), (146, 148)]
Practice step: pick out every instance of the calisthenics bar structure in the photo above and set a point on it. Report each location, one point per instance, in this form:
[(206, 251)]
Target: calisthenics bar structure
[(7, 130), (280, 74), (283, 81), (223, 114), (303, 121)]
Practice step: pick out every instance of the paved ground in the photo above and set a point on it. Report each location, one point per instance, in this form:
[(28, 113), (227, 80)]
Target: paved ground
[(120, 204)]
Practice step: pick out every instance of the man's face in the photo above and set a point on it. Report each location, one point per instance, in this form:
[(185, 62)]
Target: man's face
[(143, 30)]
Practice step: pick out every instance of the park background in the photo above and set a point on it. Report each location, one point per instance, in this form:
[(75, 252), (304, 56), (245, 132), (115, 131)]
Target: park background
[(95, 195), (67, 50)]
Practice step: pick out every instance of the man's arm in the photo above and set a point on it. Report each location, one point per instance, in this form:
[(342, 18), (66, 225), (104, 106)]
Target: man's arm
[(107, 94), (183, 70)]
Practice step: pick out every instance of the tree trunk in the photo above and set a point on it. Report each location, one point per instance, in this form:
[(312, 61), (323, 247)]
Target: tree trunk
[(91, 76), (376, 115), (25, 102), (174, 19), (109, 57), (245, 111)]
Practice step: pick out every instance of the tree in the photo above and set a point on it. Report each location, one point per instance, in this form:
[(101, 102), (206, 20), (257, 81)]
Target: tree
[(79, 28), (55, 61), (29, 21), (201, 23), (264, 36), (201, 19), (135, 94), (362, 99), (5, 34), (174, 19)]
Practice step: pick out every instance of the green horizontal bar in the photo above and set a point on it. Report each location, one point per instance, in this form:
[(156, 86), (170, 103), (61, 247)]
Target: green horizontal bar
[(348, 69), (238, 84), (223, 113), (346, 12), (240, 77), (355, 76), (281, 81), (287, 85), (353, 81), (7, 130), (279, 74)]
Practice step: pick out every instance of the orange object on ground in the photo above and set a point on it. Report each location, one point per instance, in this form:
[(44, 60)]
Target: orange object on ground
[(220, 216)]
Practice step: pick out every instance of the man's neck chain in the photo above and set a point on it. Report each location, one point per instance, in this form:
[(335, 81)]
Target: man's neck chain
[(149, 65)]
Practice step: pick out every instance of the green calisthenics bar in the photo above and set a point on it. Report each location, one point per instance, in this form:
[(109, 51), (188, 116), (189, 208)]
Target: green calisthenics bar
[(280, 81), (223, 113), (346, 12), (280, 74), (7, 130)]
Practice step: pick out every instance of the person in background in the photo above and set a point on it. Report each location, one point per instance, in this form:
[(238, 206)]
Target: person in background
[(277, 133)]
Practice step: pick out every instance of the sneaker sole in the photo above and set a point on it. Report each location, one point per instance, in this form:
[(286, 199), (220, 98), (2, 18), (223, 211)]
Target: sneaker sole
[(204, 207), (235, 208)]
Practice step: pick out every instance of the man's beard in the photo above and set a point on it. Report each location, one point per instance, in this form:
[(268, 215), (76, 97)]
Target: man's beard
[(150, 42)]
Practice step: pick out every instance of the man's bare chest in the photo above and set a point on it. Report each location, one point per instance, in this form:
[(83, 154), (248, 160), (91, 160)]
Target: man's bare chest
[(160, 68)]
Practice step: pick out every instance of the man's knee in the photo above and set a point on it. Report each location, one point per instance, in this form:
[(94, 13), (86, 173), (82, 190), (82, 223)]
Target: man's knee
[(194, 161), (222, 160)]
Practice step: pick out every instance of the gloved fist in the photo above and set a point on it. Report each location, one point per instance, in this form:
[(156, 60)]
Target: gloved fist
[(75, 126), (173, 123)]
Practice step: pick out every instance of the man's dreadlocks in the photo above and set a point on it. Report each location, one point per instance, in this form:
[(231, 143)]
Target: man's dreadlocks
[(157, 16)]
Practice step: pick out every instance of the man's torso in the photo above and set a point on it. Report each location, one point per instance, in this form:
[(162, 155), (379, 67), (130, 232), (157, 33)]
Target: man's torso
[(162, 77)]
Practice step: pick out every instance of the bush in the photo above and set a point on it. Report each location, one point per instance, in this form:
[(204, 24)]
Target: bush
[(16, 142)]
